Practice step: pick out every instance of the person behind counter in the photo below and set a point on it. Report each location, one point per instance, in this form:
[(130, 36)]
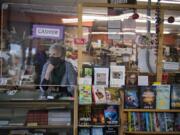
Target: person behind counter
[(58, 71)]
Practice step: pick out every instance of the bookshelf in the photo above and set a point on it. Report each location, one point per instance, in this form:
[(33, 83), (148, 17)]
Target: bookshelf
[(123, 112), (38, 127), (152, 133)]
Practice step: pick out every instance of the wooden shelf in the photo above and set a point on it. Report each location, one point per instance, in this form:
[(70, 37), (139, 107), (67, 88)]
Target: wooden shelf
[(36, 104), (152, 133), (87, 126), (151, 110), (101, 104), (36, 127)]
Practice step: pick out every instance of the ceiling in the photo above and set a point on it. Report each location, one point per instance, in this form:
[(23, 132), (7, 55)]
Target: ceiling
[(69, 7)]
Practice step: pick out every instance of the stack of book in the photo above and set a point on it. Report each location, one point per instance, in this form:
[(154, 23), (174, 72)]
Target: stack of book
[(37, 117), (59, 117)]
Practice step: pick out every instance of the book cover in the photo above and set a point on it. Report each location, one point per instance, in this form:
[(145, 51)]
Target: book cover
[(111, 115), (84, 131), (131, 79), (97, 131), (163, 97), (101, 76), (84, 115), (99, 94), (147, 97), (175, 96), (156, 122), (177, 122), (131, 99), (147, 121), (85, 95), (112, 96), (110, 131), (98, 115), (161, 118), (169, 121), (117, 76), (87, 70)]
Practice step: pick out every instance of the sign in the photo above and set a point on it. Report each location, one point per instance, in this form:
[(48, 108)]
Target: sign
[(48, 31), (79, 41)]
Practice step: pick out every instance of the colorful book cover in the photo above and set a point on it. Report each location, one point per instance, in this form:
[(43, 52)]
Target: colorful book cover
[(101, 76), (169, 121), (98, 115), (85, 95), (99, 94), (84, 115), (163, 97), (142, 123), (175, 96), (151, 121), (138, 115), (112, 96), (97, 131), (84, 131), (147, 97), (111, 115), (111, 131), (131, 99), (117, 76)]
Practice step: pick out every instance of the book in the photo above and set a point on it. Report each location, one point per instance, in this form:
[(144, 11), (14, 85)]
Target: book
[(163, 97), (177, 122), (117, 76), (110, 131), (161, 118), (129, 122), (17, 121), (147, 97), (131, 99), (99, 94), (112, 96), (84, 131), (85, 95), (98, 115), (131, 79), (84, 115), (169, 121), (111, 115), (175, 96), (97, 131), (101, 76)]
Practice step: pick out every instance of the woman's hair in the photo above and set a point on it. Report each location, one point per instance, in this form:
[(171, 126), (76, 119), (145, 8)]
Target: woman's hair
[(60, 48)]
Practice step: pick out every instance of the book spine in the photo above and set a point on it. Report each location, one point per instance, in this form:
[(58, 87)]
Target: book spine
[(129, 122)]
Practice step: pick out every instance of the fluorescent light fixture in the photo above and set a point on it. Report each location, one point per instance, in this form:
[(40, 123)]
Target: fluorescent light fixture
[(109, 33), (162, 1), (153, 21), (152, 31)]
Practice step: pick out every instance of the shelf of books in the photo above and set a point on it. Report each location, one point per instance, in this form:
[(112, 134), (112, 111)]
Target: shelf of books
[(152, 133)]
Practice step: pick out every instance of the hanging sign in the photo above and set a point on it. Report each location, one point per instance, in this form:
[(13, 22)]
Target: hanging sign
[(48, 31)]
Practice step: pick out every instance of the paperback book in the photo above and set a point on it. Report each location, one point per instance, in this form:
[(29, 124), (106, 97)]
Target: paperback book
[(111, 131), (111, 115), (85, 95), (131, 99), (163, 97), (117, 76), (147, 97), (84, 131), (112, 96), (99, 94), (101, 76), (98, 115), (97, 131), (175, 96), (84, 115)]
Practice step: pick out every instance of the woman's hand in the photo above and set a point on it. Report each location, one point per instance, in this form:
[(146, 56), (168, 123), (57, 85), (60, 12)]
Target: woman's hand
[(48, 71)]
